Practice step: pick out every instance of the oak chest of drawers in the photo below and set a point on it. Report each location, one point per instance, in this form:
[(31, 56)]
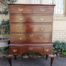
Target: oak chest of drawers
[(30, 28)]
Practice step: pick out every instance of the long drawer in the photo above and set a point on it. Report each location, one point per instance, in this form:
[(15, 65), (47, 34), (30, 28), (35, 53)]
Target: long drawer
[(33, 37), (30, 18), (16, 50), (31, 9), (32, 27)]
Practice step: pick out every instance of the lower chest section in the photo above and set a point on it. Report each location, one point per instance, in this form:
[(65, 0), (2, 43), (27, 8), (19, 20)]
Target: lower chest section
[(43, 49)]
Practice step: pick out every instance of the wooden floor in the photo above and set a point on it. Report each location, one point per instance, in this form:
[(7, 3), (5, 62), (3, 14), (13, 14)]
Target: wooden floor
[(33, 62)]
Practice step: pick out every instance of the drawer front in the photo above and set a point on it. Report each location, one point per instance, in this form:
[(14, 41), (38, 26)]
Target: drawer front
[(33, 37), (30, 18), (41, 37), (20, 9), (41, 28), (40, 18), (21, 28), (17, 18), (31, 9), (19, 50), (17, 28), (18, 38)]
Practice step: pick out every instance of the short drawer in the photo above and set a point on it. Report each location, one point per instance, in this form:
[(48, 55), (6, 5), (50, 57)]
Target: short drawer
[(40, 18), (41, 37), (40, 28), (17, 38), (17, 18), (17, 28), (20, 9), (46, 10)]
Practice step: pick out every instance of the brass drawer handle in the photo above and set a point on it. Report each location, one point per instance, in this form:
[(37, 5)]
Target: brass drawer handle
[(14, 50), (47, 50), (20, 19), (20, 9), (30, 48), (42, 9), (42, 19), (41, 29), (20, 38)]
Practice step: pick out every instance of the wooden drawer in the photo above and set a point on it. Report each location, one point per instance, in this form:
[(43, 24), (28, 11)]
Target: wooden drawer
[(31, 9), (30, 18), (41, 37), (17, 28), (21, 28), (33, 37), (40, 18), (20, 50), (20, 9), (18, 38), (17, 18), (41, 27)]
